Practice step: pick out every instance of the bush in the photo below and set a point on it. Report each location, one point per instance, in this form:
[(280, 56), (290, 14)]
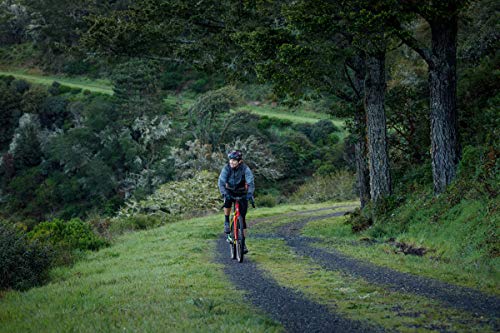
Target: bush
[(69, 235), (321, 131), (338, 186), (266, 122), (268, 200), (192, 196), (134, 222), (23, 264)]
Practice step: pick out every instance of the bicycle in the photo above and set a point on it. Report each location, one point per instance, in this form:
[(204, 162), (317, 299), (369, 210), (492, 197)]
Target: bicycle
[(236, 237)]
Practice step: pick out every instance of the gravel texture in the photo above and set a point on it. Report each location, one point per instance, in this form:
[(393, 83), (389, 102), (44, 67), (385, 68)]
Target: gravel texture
[(298, 314), (454, 296), (294, 311)]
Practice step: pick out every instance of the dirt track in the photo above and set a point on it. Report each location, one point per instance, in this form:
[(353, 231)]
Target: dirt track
[(298, 314)]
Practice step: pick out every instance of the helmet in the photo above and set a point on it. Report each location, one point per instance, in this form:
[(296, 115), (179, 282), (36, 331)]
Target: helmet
[(235, 155)]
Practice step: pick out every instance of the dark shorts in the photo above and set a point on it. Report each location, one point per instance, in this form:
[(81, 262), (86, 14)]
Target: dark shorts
[(243, 209)]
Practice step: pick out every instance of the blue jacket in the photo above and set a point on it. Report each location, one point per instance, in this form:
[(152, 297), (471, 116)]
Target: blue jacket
[(236, 179)]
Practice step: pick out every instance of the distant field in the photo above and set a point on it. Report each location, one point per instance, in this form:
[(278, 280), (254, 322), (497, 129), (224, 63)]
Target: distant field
[(100, 86), (105, 87)]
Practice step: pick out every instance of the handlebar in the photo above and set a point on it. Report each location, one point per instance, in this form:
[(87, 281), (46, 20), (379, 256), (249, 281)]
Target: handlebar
[(239, 198)]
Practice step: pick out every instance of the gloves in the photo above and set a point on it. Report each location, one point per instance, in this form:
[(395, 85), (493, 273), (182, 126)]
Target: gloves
[(249, 196)]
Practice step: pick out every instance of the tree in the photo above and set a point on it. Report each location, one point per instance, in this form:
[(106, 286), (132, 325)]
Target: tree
[(441, 58), (10, 112), (318, 44), (25, 146), (14, 20)]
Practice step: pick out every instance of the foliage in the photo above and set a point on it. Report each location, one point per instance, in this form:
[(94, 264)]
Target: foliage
[(208, 115), (266, 200), (258, 156), (478, 97), (10, 112), (191, 196), (195, 158), (296, 151), (136, 87), (25, 146), (338, 187), (266, 122), (23, 263), (69, 235)]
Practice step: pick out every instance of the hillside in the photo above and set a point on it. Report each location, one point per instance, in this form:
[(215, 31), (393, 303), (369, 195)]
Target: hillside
[(105, 87), (172, 279)]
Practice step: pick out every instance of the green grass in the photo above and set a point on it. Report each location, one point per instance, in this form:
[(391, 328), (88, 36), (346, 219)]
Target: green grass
[(161, 280), (165, 279), (356, 299), (295, 116), (105, 87), (98, 86), (456, 269)]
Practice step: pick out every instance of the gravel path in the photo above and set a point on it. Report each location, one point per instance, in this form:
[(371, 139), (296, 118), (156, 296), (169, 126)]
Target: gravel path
[(298, 314), (294, 311), (455, 296)]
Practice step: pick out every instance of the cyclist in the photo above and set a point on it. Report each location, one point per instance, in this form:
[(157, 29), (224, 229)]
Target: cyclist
[(236, 180)]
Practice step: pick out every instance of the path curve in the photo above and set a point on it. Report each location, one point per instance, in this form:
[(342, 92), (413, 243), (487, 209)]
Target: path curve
[(455, 296), (294, 311)]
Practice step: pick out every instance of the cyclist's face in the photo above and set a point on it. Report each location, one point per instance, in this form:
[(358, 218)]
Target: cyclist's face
[(234, 163)]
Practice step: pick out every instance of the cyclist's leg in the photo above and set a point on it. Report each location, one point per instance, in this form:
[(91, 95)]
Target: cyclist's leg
[(227, 212)]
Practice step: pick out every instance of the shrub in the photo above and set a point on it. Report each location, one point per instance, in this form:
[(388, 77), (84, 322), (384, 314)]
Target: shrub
[(172, 200), (338, 186), (23, 264), (322, 130), (134, 222), (268, 200), (266, 122), (359, 220), (69, 235)]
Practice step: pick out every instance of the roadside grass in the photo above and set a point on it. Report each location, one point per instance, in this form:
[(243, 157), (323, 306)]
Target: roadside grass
[(356, 299), (158, 280), (327, 208), (164, 279), (335, 233), (161, 279)]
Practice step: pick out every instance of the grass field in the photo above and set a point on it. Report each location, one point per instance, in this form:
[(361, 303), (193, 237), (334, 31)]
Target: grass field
[(105, 87), (165, 279), (99, 86)]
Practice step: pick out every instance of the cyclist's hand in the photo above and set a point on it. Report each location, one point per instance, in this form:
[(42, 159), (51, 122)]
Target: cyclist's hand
[(249, 196)]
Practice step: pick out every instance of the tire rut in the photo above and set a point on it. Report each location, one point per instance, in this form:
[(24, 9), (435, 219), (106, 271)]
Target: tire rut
[(454, 296), (293, 310)]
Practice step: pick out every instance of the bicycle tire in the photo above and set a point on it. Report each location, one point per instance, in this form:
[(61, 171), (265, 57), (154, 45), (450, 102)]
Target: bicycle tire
[(232, 244), (239, 243)]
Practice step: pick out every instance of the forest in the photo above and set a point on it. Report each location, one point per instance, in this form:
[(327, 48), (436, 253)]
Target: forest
[(406, 95)]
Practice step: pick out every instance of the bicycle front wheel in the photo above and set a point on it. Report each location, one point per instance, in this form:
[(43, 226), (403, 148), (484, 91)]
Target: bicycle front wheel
[(232, 243), (240, 241), (232, 250)]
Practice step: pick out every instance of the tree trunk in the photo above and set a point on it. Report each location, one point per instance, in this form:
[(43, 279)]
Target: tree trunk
[(445, 147), (361, 153), (375, 85), (360, 146)]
